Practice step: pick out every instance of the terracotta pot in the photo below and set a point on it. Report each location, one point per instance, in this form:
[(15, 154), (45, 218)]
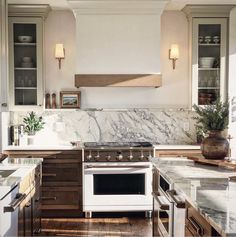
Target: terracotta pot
[(215, 146)]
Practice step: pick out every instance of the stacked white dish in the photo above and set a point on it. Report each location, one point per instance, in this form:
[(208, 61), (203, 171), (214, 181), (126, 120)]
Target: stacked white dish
[(27, 62), (206, 62), (25, 38)]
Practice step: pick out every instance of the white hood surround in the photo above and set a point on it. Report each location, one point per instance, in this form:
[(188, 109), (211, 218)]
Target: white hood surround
[(118, 33), (118, 37)]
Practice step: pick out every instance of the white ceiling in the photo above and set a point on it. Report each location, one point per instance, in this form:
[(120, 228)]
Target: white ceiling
[(172, 5)]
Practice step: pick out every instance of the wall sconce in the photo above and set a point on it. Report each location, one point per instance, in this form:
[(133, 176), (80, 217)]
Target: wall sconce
[(174, 54), (59, 53)]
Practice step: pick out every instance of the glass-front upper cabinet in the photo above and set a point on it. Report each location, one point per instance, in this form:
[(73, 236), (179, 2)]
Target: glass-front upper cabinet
[(209, 60), (25, 66)]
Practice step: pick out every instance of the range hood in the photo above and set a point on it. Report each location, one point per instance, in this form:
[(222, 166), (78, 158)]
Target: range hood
[(118, 43)]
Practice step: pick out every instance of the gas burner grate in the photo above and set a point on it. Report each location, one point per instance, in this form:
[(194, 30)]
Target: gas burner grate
[(117, 144)]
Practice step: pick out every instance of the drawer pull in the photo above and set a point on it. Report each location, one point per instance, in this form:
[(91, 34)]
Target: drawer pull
[(196, 226), (49, 198), (49, 175)]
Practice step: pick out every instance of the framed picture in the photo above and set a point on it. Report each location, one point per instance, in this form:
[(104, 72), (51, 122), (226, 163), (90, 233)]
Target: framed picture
[(70, 99)]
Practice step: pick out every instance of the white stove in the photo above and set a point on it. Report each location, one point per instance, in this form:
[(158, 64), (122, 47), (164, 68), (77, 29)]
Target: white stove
[(117, 177)]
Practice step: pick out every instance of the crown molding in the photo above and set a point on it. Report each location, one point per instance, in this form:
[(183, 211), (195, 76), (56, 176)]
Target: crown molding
[(208, 10), (29, 10), (95, 7)]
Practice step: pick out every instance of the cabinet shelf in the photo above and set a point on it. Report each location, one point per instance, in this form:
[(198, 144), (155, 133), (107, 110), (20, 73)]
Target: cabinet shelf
[(211, 45), (26, 68), (25, 44), (209, 88), (208, 69), (26, 88)]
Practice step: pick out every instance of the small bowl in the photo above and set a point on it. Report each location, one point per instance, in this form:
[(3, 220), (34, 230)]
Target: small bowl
[(25, 38), (26, 59)]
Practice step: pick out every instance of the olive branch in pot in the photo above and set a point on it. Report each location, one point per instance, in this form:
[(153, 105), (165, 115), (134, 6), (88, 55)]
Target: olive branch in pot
[(33, 123)]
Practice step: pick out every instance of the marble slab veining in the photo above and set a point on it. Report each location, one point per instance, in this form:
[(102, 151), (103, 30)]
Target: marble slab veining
[(207, 188), (22, 167), (153, 125)]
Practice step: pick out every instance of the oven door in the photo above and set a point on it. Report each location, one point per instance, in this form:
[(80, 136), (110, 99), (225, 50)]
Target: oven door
[(117, 186), (162, 216)]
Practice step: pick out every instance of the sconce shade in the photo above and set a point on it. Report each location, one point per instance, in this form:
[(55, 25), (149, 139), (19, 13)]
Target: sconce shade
[(174, 51), (59, 51)]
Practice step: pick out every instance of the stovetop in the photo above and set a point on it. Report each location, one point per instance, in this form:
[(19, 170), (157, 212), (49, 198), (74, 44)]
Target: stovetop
[(117, 151), (116, 144)]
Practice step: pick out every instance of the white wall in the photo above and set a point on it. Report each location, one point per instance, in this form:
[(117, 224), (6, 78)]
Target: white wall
[(59, 28), (119, 44), (232, 77)]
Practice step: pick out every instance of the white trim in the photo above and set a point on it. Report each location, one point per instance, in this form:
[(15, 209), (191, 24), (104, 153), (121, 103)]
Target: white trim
[(117, 7)]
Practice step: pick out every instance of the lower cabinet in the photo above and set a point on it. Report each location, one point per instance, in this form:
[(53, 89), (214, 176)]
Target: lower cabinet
[(29, 223), (61, 187), (196, 225)]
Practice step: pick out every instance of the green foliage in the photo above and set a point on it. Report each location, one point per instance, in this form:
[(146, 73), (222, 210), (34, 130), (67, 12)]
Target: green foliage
[(213, 117), (33, 123)]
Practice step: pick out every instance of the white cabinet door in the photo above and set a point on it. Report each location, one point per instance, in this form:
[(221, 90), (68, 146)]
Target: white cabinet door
[(25, 64), (209, 60)]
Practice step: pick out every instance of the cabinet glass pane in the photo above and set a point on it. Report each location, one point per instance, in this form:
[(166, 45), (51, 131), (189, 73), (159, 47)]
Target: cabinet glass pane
[(209, 51), (25, 64)]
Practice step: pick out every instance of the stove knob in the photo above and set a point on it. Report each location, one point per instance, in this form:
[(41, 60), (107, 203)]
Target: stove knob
[(141, 155), (89, 156), (97, 156), (108, 157), (131, 155), (119, 156)]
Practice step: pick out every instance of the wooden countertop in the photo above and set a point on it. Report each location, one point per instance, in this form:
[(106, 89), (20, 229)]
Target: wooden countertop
[(231, 164)]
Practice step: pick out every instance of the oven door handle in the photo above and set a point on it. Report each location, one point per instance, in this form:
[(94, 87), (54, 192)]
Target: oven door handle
[(163, 206), (15, 203), (116, 166), (179, 201)]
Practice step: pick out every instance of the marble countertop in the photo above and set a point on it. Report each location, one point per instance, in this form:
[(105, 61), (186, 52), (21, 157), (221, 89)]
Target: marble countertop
[(207, 188), (41, 148), (20, 168), (176, 147)]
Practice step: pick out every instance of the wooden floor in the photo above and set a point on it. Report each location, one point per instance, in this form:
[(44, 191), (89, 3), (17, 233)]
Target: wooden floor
[(109, 227)]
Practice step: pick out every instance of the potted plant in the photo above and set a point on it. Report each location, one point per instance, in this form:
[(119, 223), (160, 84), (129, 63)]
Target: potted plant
[(32, 124), (214, 119)]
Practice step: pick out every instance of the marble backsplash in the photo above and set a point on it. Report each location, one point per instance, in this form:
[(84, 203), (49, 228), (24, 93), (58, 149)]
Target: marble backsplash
[(171, 126)]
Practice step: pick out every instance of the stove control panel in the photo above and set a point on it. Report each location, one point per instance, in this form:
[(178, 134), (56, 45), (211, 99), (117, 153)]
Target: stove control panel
[(92, 155)]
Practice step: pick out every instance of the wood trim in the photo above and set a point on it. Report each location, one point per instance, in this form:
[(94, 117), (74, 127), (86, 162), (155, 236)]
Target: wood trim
[(221, 163), (118, 80), (176, 153)]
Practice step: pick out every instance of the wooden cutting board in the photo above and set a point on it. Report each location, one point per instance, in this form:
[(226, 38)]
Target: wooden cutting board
[(231, 164)]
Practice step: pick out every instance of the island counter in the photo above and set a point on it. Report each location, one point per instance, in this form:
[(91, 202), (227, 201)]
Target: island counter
[(206, 188)]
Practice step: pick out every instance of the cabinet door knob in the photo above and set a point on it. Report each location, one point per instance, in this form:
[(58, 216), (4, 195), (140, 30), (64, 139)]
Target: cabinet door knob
[(4, 104), (39, 105)]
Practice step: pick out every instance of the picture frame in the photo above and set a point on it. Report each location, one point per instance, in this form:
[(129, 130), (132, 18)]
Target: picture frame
[(70, 99)]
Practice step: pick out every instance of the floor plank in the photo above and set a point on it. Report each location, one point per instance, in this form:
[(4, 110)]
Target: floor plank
[(97, 227)]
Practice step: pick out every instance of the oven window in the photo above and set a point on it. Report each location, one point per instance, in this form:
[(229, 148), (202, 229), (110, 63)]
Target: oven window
[(163, 184), (117, 184)]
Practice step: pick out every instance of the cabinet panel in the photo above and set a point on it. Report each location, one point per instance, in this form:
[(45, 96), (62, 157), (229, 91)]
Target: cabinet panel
[(62, 173), (61, 198), (209, 60), (25, 68)]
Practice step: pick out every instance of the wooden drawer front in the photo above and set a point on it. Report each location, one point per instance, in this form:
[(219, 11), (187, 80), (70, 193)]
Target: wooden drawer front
[(196, 224), (61, 198), (62, 173)]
